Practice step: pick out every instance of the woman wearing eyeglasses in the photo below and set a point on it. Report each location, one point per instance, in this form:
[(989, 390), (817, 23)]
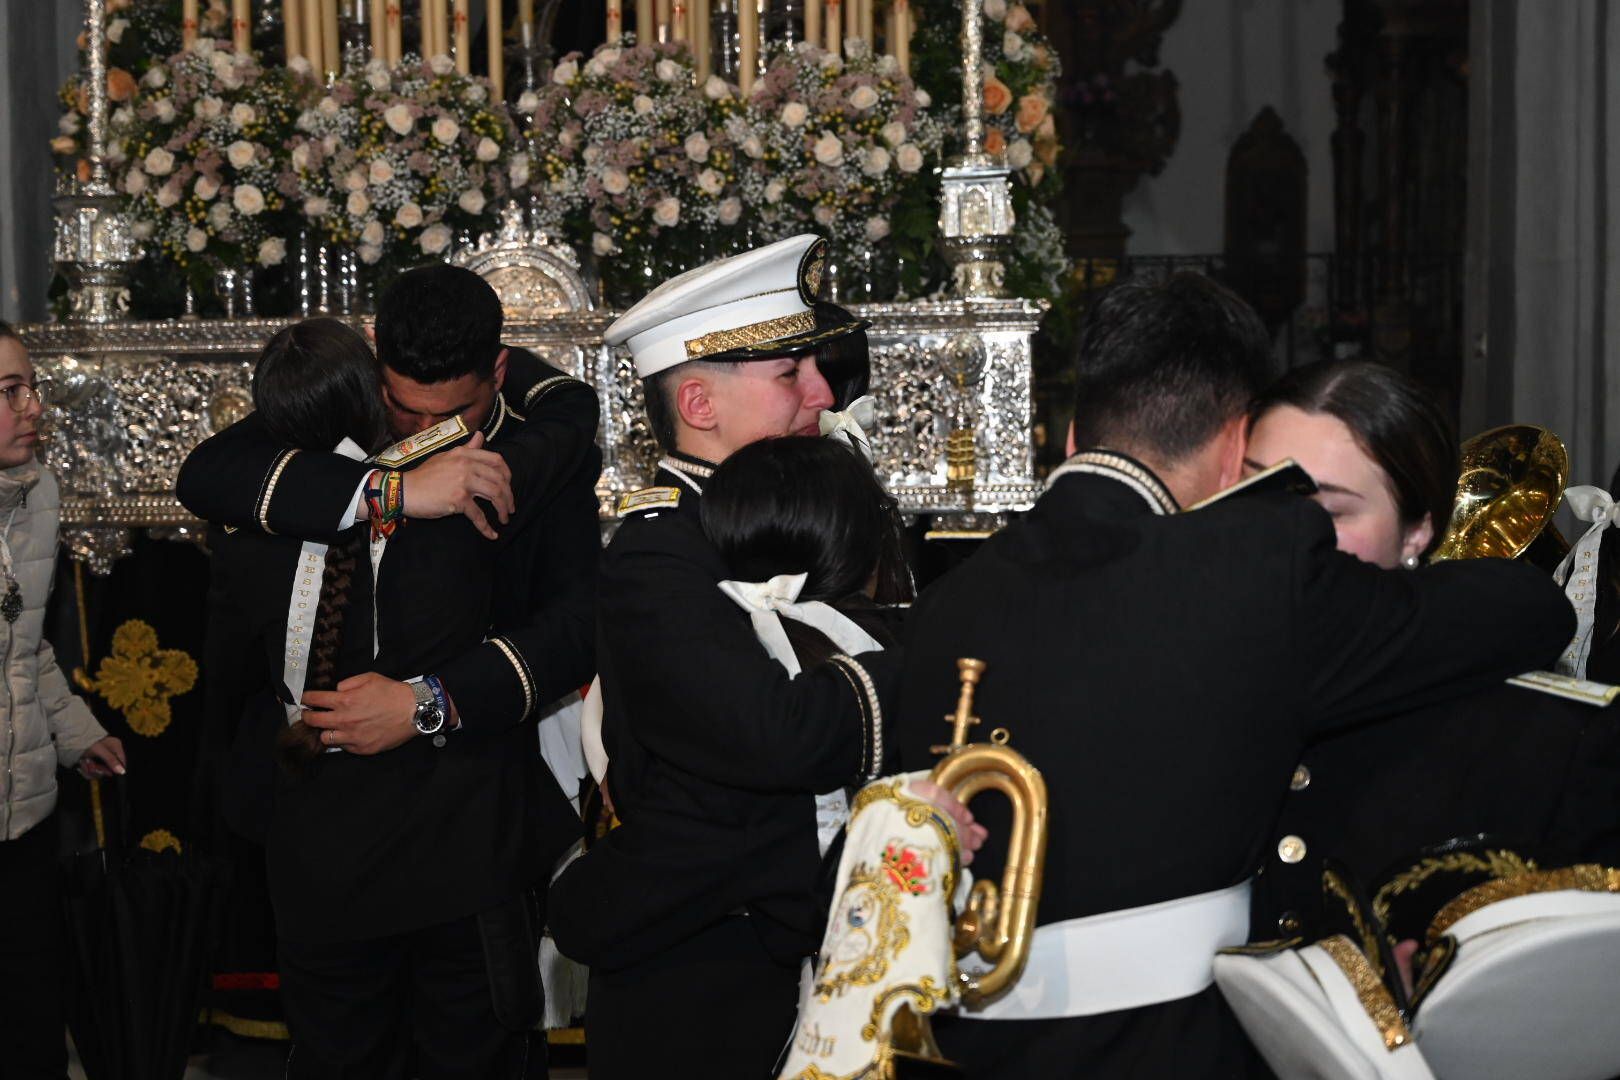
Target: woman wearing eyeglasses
[(42, 725)]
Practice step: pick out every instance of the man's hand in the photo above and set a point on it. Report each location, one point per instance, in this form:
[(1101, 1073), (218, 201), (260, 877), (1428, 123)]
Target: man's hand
[(366, 714), (451, 482), (973, 835), (105, 757)]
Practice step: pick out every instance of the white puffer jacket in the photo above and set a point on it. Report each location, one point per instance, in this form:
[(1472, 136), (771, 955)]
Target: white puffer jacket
[(42, 722)]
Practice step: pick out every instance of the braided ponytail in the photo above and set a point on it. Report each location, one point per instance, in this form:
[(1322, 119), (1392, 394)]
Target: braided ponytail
[(298, 743)]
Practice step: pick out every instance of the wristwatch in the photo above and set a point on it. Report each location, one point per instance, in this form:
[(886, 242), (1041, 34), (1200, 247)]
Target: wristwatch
[(429, 714)]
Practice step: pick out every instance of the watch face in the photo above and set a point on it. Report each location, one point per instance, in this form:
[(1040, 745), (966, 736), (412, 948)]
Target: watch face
[(429, 719)]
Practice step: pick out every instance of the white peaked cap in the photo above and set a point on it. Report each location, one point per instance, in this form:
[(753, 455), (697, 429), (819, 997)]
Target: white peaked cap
[(750, 306)]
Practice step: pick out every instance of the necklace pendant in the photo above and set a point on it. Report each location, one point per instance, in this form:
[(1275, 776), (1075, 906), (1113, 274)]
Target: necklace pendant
[(11, 604)]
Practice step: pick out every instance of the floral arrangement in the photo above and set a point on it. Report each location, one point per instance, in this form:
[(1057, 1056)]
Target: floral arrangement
[(628, 138), (203, 158), (396, 163), (830, 143)]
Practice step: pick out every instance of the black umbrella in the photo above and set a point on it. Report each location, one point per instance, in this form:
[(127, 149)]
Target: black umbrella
[(141, 927)]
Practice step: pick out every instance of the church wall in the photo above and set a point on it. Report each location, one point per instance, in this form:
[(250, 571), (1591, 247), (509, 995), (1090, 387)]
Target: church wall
[(1233, 58)]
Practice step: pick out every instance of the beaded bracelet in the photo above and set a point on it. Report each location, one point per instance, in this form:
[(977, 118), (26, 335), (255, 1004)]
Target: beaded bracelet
[(385, 501)]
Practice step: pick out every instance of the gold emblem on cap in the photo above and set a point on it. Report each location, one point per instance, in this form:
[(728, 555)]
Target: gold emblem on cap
[(810, 270), (750, 336)]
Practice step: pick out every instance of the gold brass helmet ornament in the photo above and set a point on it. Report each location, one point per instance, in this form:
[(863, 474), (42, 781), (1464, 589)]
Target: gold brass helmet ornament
[(996, 923), (1510, 486)]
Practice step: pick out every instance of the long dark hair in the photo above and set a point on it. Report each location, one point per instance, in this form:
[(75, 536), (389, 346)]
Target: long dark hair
[(314, 385), (807, 505), (1392, 419)]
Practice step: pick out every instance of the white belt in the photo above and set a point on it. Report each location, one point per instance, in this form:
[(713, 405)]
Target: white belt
[(1124, 959)]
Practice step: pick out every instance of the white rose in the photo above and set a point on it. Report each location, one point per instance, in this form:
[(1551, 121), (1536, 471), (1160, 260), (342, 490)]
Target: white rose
[(242, 114), (753, 147), (709, 182), (329, 145), (357, 204), (831, 62), (446, 130), (615, 182), (300, 156), (794, 114), (602, 244), (442, 64), (219, 216), (299, 66), (610, 55), (116, 155), (155, 77), (377, 79), (168, 195), (370, 253), (316, 207), (528, 101), (239, 154), (159, 162), (823, 215), (379, 171), (196, 239), (888, 65), (205, 188), (135, 182), (115, 30), (219, 61), (668, 212), (697, 146), (273, 251), (1020, 153), (592, 154), (247, 199), (875, 162), (996, 9), (715, 88), (476, 93), (922, 98), (210, 108), (518, 171), (894, 133), (774, 191), (354, 179), (829, 149), (487, 150), (863, 98), (399, 119), (434, 239), (163, 109), (372, 234), (643, 104), (408, 216), (142, 230), (877, 228), (328, 106), (730, 210), (1012, 45), (908, 157), (565, 72), (668, 70), (121, 116), (595, 68), (472, 201)]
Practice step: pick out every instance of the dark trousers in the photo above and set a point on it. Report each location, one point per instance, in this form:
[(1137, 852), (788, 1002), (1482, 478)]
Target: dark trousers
[(456, 1001), (715, 1006), (33, 1040)]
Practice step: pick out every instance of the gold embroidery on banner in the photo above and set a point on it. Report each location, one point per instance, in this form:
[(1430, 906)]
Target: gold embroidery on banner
[(1499, 864), (866, 931), (926, 994), (1334, 884), (138, 678), (1375, 996), (746, 337), (1587, 877)]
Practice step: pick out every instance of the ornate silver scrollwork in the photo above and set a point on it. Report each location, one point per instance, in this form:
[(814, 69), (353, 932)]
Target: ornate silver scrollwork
[(534, 273)]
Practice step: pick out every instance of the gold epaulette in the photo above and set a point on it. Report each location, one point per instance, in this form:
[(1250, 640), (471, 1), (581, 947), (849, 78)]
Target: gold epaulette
[(649, 498), (422, 443), (1566, 686)]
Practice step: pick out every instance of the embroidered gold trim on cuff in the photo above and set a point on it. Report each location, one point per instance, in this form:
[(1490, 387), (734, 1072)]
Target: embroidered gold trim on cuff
[(1375, 997)]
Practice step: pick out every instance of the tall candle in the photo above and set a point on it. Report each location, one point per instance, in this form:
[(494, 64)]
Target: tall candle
[(378, 15), (678, 18), (812, 21), (902, 34), (748, 44), (433, 42), (463, 36), (395, 17), (242, 25), (701, 23), (615, 20), (331, 40), (868, 19), (497, 55), (645, 31), (292, 27), (662, 18), (526, 14), (188, 23), (835, 26), (314, 51), (852, 18)]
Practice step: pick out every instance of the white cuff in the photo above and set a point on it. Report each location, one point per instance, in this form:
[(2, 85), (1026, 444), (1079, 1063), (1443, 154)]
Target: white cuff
[(351, 516)]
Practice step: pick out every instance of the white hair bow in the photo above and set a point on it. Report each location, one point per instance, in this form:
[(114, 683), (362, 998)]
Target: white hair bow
[(852, 424), (1578, 573), (768, 602)]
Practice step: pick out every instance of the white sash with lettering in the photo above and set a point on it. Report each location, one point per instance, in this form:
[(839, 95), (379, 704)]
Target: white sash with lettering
[(302, 606)]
